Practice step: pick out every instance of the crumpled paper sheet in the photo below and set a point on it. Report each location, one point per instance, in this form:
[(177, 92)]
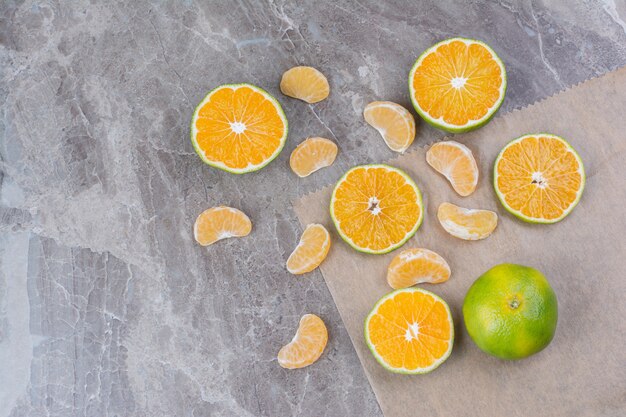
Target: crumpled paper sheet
[(583, 371)]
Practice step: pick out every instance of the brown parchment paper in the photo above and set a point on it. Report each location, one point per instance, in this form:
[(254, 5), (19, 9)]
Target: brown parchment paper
[(583, 371)]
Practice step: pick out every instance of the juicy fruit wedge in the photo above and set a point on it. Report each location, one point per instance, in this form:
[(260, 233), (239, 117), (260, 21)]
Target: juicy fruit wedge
[(394, 123), (457, 85), (539, 178), (311, 155), (311, 250), (307, 345), (416, 266), (238, 128), (410, 331), (219, 223), (455, 162), (376, 208), (305, 83), (467, 224)]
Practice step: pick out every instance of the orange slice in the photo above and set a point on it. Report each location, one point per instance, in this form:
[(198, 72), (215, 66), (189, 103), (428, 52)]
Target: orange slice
[(457, 85), (311, 250), (539, 178), (376, 208), (307, 345), (410, 331), (467, 224), (238, 128), (416, 266), (394, 123), (305, 83), (311, 155), (219, 223), (455, 162)]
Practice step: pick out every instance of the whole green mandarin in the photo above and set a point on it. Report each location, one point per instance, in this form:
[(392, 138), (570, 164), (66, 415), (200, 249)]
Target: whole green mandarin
[(511, 311)]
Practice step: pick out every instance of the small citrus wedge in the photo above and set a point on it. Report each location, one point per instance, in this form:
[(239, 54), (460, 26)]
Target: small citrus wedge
[(410, 331), (455, 162), (394, 123), (306, 346), (219, 223), (416, 266), (467, 224), (376, 208), (457, 85), (311, 250), (539, 178), (305, 83), (238, 128), (311, 155)]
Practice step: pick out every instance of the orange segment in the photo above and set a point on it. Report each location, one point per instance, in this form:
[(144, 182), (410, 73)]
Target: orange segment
[(394, 123), (539, 178), (311, 155), (220, 223), (311, 250), (455, 162), (307, 345), (238, 128), (467, 224), (415, 266), (376, 208), (458, 84), (305, 83), (410, 331)]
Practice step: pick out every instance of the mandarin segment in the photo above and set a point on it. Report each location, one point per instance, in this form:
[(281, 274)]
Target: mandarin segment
[(467, 224), (307, 345), (456, 162), (305, 83), (395, 124), (311, 250), (415, 266), (219, 223), (312, 155)]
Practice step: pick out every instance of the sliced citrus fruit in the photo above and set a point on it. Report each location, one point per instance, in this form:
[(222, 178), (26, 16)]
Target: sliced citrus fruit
[(238, 128), (410, 331), (394, 123), (376, 208), (311, 155), (306, 346), (219, 223), (305, 83), (539, 178), (455, 162), (311, 250), (416, 266), (457, 85), (467, 224)]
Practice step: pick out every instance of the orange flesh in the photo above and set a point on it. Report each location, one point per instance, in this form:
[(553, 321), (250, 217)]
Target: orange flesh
[(411, 330), (219, 223), (376, 207), (456, 162), (417, 265), (239, 127), (456, 62), (311, 155), (311, 250), (540, 177), (307, 345)]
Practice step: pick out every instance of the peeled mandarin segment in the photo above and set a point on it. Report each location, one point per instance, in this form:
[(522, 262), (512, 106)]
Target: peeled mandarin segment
[(376, 208), (305, 83), (458, 84), (410, 331), (311, 155), (394, 123), (455, 162), (467, 224), (311, 250), (238, 128), (539, 178), (415, 266), (219, 223), (307, 345)]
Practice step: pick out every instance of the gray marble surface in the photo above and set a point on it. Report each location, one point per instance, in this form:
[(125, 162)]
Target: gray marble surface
[(107, 306)]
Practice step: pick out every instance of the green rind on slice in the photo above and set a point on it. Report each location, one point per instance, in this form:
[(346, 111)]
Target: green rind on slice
[(469, 126), (517, 213), (409, 234), (219, 165), (405, 371)]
